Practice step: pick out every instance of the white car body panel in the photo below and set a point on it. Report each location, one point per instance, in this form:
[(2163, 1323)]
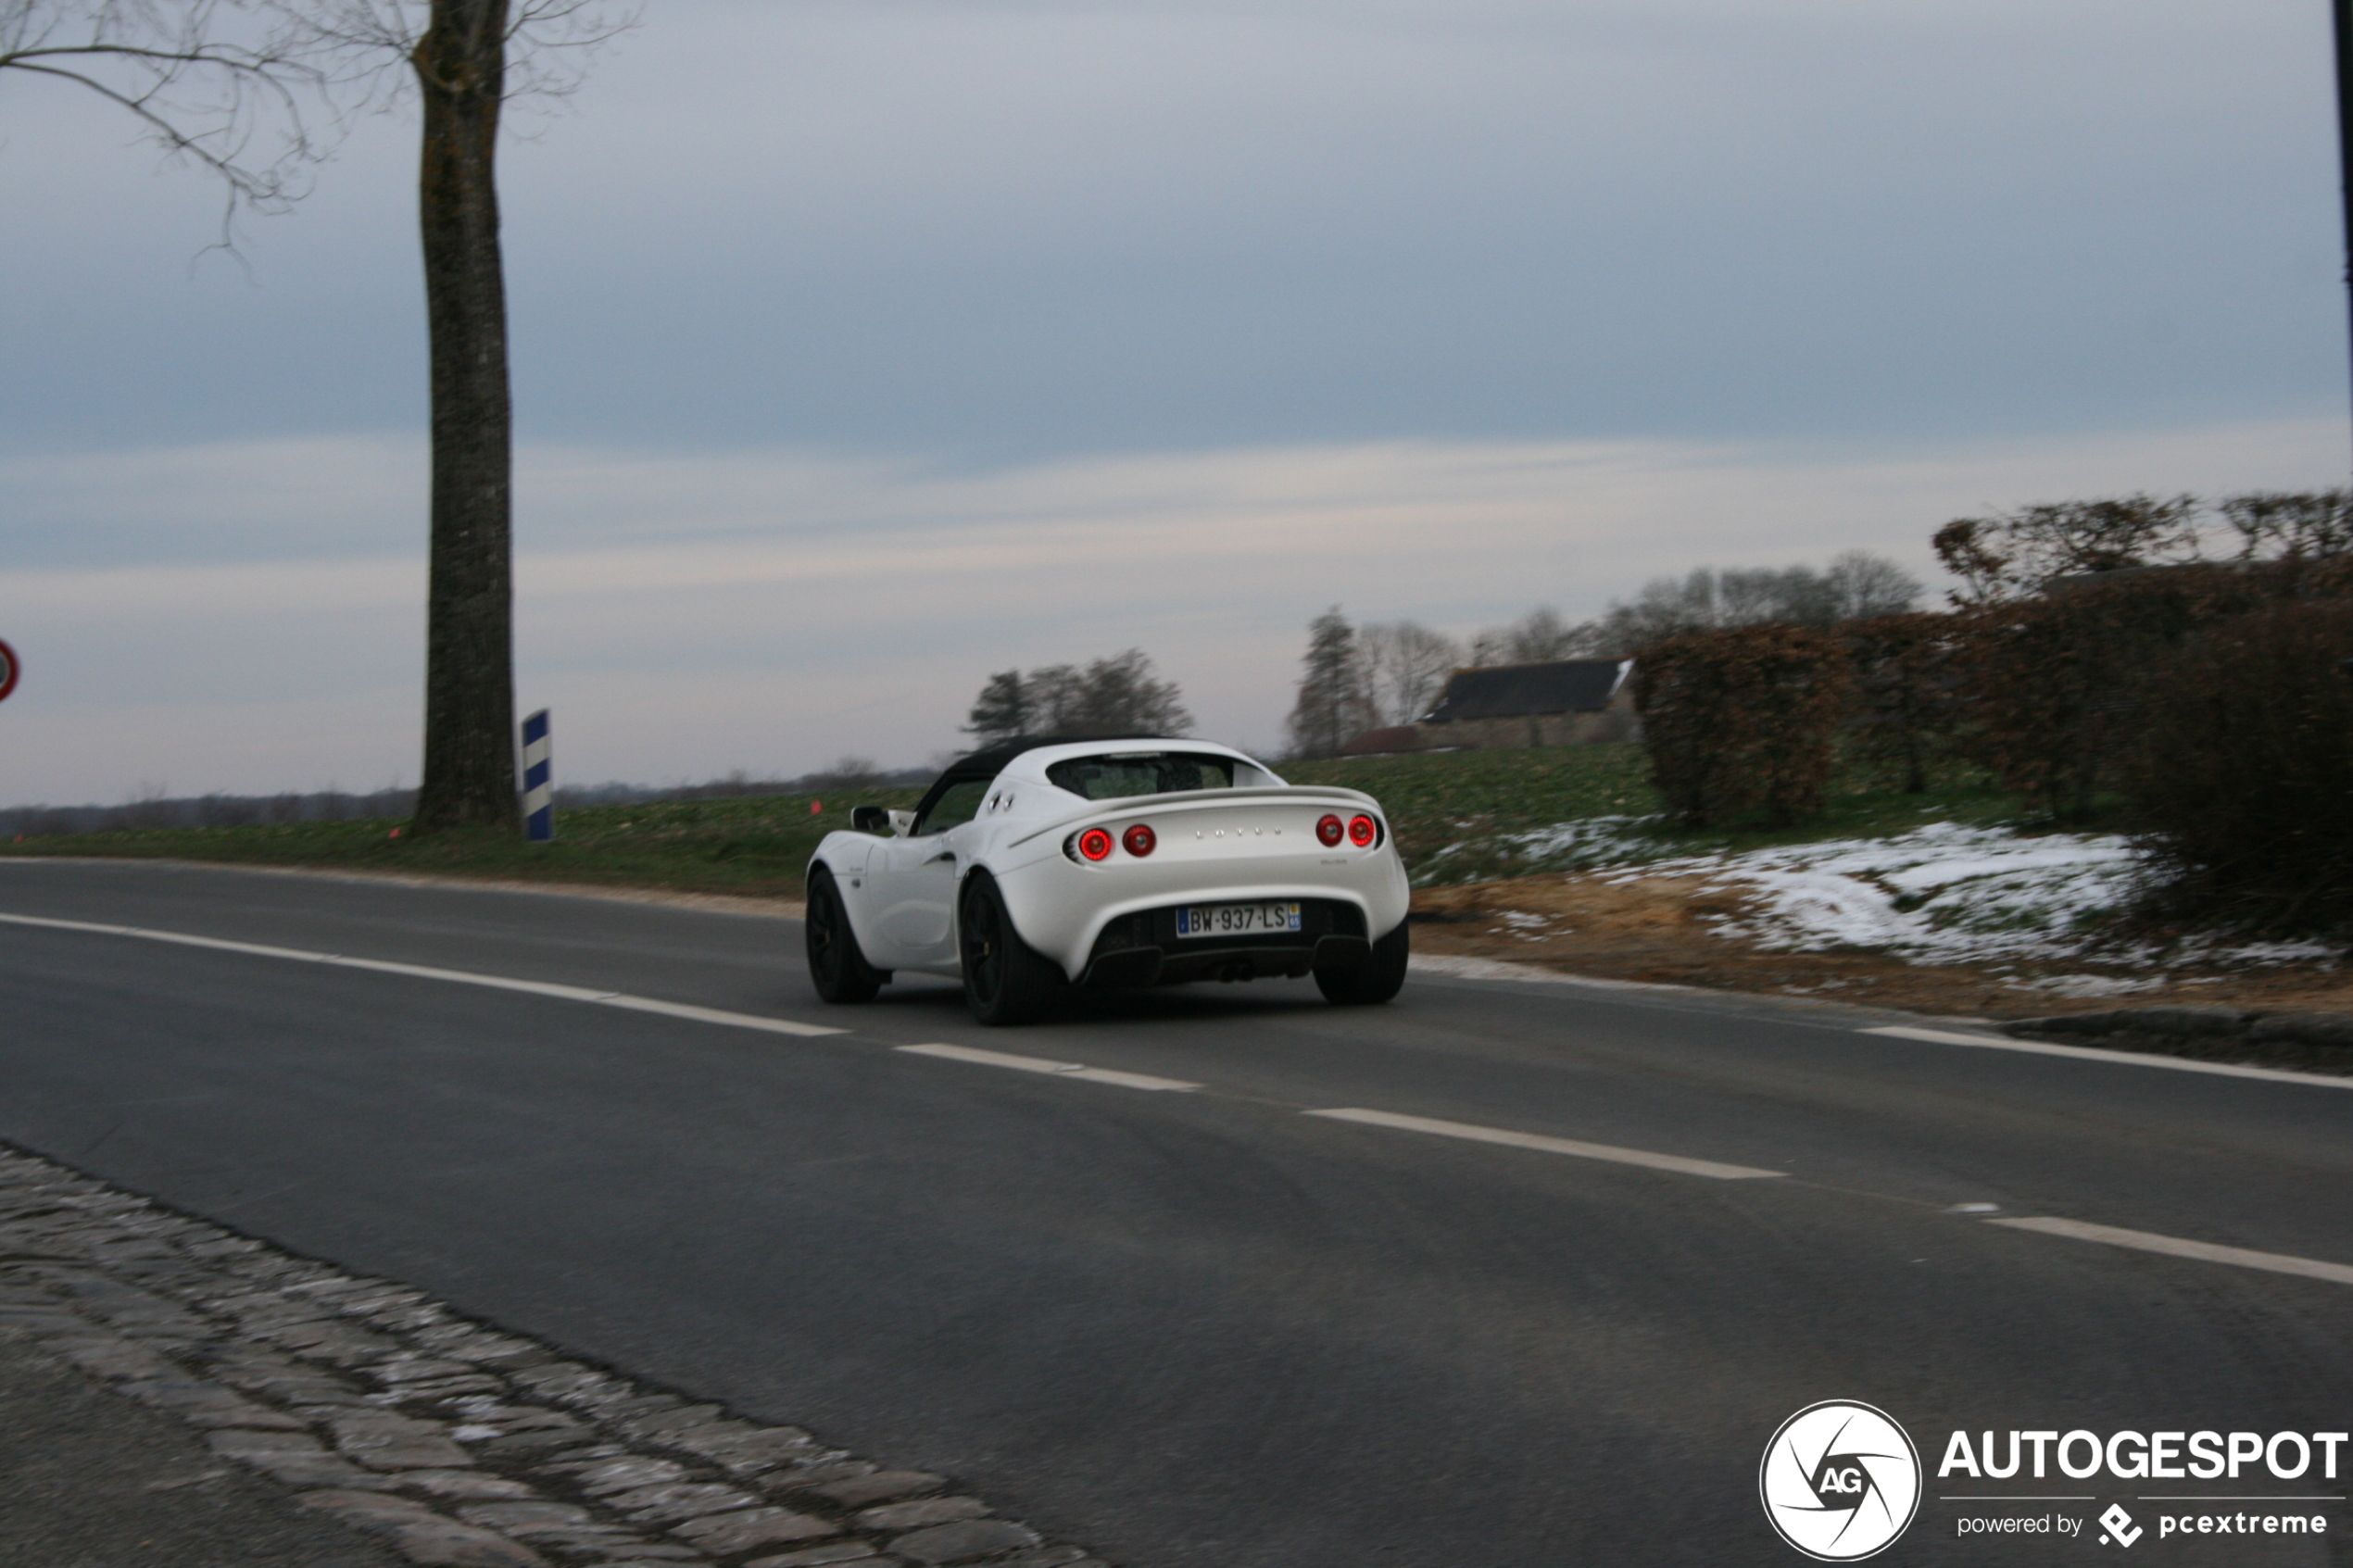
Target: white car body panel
[(1254, 842)]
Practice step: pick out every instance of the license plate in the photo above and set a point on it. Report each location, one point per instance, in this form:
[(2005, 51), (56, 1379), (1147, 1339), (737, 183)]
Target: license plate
[(1236, 919)]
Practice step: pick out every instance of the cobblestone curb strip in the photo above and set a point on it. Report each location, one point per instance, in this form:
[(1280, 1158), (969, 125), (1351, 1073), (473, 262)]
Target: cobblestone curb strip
[(465, 1446)]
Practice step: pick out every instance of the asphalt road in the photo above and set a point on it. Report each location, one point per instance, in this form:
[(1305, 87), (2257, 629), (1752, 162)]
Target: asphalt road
[(1197, 1327)]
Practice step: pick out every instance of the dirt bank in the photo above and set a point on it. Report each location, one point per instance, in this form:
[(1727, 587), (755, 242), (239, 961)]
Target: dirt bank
[(1662, 929)]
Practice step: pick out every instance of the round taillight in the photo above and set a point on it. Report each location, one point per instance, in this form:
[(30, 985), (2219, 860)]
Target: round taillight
[(1138, 840), (1095, 844), (1360, 831), (1328, 831)]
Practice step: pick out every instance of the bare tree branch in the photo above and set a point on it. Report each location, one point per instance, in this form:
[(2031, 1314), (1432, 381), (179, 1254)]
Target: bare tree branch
[(257, 91), (365, 43), (217, 82)]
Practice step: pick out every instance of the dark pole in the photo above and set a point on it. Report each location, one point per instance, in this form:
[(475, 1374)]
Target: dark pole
[(2344, 19)]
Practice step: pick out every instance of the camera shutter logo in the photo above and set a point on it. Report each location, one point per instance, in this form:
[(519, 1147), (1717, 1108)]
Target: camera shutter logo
[(1840, 1481)]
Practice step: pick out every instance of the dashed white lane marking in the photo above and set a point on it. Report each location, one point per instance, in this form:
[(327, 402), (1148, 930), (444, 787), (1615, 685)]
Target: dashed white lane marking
[(2176, 1246), (2132, 1059), (1550, 1145), (1060, 1069), (2146, 1241), (458, 976)]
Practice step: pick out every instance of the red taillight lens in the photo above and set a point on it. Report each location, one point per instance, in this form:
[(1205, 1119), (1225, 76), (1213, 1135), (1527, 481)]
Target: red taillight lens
[(1095, 844), (1360, 831), (1138, 840), (1328, 831)]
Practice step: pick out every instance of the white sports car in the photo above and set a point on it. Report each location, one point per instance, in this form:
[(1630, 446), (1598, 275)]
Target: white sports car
[(1040, 864)]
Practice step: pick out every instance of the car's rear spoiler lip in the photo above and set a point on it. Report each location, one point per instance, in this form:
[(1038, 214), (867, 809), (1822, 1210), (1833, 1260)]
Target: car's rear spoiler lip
[(1200, 800)]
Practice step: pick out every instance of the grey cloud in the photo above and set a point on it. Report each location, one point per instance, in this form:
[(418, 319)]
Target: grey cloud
[(1016, 231)]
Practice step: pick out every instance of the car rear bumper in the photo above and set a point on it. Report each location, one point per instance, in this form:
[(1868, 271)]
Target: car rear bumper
[(1142, 947), (1259, 847)]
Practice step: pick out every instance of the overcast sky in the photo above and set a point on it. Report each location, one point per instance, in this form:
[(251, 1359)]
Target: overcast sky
[(861, 349)]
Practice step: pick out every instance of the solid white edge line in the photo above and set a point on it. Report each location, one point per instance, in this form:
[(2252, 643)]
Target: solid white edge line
[(716, 1015), (455, 976), (1476, 1134), (1057, 1069), (2128, 1059), (2176, 1246)]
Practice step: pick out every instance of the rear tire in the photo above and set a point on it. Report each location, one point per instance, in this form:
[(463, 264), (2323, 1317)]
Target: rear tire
[(1006, 981), (1376, 979), (837, 967)]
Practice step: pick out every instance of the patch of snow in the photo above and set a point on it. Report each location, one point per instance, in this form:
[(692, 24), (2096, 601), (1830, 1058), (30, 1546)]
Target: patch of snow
[(2213, 951), (1522, 926), (1940, 893)]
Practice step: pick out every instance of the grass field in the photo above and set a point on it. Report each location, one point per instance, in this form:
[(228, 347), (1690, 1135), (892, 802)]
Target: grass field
[(1468, 816), (1459, 816), (752, 845)]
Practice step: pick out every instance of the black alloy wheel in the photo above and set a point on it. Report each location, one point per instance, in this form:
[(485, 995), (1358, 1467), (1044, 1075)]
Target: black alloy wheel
[(836, 968), (1006, 981)]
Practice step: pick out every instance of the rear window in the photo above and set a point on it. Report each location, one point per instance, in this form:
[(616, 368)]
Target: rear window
[(1118, 774)]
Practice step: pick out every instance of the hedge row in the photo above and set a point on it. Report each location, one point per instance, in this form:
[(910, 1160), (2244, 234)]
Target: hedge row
[(2214, 699)]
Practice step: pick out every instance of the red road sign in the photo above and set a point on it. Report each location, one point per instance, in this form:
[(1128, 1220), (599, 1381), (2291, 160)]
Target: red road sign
[(8, 670)]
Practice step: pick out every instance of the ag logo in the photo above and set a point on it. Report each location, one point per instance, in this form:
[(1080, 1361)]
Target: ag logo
[(1840, 1481)]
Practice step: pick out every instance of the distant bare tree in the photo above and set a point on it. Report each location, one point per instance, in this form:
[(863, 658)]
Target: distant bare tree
[(2011, 555), (2275, 525), (1858, 584), (1539, 637), (847, 772), (1752, 596), (1332, 708), (1112, 696), (1861, 585), (1666, 606), (1001, 711), (1405, 665)]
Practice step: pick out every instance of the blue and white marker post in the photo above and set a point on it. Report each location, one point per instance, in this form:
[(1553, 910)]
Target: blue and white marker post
[(539, 790)]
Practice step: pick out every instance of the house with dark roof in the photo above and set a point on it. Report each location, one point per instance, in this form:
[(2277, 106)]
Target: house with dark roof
[(1565, 702)]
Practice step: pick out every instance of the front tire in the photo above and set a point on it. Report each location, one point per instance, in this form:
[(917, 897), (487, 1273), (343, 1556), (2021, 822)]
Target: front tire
[(1376, 979), (837, 967), (1006, 981)]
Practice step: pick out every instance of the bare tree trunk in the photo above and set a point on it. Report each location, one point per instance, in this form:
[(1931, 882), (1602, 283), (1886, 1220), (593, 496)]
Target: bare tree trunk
[(469, 700)]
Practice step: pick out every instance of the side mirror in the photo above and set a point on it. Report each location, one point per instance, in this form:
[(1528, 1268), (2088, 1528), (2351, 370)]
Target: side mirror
[(902, 822), (869, 818)]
